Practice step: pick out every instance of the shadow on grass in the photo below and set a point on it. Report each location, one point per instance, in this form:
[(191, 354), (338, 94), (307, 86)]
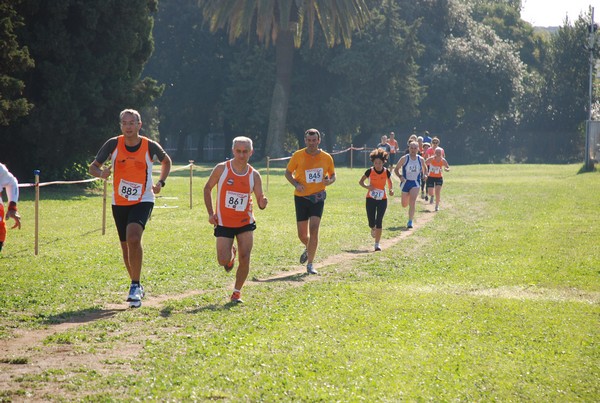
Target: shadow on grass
[(168, 310), (401, 229), (82, 316), (289, 277), (357, 251)]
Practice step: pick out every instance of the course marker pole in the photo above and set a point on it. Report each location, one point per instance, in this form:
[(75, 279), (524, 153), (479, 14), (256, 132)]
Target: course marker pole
[(268, 161), (36, 173), (191, 177), (104, 208)]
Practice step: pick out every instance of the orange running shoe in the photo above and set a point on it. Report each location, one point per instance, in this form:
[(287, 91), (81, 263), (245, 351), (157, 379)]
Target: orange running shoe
[(230, 265), (236, 297)]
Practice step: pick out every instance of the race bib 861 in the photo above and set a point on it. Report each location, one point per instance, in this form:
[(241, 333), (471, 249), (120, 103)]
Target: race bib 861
[(236, 201)]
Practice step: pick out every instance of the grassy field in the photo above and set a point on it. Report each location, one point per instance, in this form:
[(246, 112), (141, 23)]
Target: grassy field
[(494, 298)]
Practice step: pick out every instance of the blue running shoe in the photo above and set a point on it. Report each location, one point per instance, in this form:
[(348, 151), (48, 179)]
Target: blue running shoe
[(409, 224)]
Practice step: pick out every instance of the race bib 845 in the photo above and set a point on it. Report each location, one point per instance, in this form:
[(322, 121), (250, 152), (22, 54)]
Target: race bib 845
[(314, 175)]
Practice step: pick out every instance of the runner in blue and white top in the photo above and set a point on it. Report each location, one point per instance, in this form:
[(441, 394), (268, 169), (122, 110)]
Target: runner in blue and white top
[(414, 170)]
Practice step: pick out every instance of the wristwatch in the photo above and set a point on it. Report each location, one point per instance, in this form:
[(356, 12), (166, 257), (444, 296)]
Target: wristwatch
[(162, 183)]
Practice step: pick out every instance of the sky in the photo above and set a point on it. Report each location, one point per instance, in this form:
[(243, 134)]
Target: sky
[(551, 13)]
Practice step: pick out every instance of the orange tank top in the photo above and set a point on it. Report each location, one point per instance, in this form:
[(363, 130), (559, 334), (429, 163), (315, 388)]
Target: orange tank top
[(435, 168), (132, 174), (234, 197), (378, 180)]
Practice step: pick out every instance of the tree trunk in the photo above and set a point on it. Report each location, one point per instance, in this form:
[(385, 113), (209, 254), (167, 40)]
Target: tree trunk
[(284, 58)]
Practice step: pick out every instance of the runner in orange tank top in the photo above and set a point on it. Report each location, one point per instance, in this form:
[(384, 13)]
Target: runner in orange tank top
[(236, 180), (131, 156), (436, 164), (379, 176)]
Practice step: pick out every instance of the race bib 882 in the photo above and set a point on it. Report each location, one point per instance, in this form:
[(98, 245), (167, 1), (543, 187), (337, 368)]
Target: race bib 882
[(131, 191)]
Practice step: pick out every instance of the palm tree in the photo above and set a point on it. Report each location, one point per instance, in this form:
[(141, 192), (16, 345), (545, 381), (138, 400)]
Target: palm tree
[(281, 22)]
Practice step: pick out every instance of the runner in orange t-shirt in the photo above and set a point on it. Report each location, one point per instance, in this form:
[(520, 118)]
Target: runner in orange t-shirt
[(310, 170), (236, 180)]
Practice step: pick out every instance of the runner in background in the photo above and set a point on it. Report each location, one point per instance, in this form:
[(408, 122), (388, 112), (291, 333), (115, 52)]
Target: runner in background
[(376, 200), (414, 171), (424, 195), (394, 149), (436, 164)]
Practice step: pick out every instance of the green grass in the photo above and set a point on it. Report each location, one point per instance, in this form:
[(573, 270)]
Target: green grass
[(495, 299)]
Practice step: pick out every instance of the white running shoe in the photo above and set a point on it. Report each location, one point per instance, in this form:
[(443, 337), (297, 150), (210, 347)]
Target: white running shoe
[(136, 293)]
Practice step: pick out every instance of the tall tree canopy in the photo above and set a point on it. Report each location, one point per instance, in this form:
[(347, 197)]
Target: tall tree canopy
[(14, 60), (89, 57), (192, 63), (467, 70), (373, 86), (281, 22)]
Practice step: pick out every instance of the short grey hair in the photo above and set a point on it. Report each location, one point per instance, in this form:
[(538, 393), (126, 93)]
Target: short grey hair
[(131, 111), (242, 139)]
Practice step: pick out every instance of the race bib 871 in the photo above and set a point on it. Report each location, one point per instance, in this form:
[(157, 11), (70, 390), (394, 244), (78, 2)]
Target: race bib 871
[(377, 194)]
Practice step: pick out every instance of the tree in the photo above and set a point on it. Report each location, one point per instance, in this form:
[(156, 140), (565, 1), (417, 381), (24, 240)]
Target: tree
[(477, 83), (504, 17), (89, 58), (281, 23), (566, 92), (14, 60), (472, 79), (370, 88), (192, 63)]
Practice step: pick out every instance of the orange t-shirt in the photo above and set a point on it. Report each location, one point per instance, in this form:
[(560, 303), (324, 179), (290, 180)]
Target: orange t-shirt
[(310, 170), (234, 197), (132, 174)]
